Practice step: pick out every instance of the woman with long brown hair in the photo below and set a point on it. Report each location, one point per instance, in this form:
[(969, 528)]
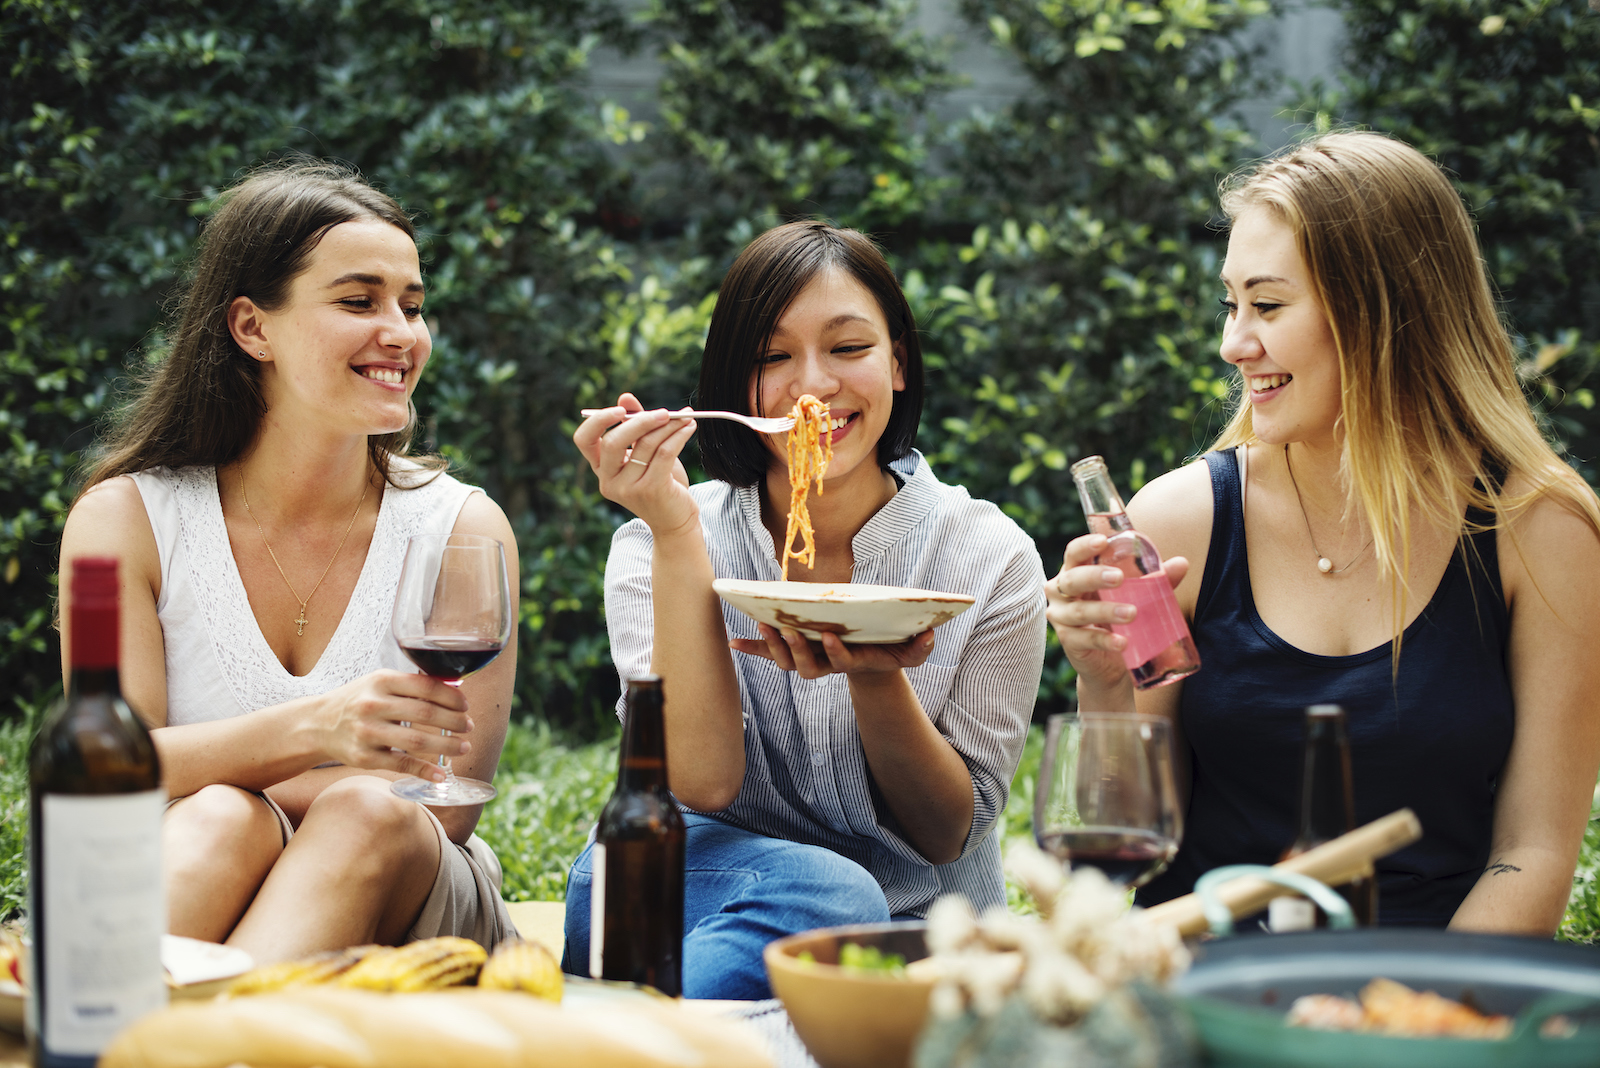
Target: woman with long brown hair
[(259, 497), (1381, 526)]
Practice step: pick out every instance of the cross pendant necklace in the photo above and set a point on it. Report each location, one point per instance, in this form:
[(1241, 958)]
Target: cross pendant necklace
[(301, 621)]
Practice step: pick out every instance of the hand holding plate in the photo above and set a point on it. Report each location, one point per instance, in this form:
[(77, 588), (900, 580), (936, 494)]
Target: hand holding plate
[(792, 651)]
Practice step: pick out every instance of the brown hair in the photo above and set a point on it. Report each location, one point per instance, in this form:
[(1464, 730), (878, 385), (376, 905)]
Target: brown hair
[(759, 287), (202, 404), (1428, 388)]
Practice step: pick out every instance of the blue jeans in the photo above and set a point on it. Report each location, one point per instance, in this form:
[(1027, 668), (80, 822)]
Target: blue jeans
[(741, 891)]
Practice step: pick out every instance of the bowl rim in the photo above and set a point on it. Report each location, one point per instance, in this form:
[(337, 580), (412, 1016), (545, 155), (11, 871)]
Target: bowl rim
[(780, 954)]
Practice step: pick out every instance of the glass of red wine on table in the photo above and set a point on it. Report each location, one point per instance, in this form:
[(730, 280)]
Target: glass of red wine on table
[(1107, 797), (452, 616)]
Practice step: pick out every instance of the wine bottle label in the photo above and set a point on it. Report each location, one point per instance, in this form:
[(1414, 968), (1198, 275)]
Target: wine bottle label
[(1291, 914), (1159, 622), (102, 918), (597, 910)]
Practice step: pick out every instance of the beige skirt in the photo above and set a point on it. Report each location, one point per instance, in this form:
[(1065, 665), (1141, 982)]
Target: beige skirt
[(465, 900)]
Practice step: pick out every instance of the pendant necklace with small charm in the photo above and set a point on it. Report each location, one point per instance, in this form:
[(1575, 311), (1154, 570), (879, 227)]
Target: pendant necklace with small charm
[(1324, 564), (301, 620)]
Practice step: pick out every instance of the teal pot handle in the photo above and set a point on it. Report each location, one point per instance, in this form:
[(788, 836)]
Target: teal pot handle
[(1221, 919), (1529, 1020)]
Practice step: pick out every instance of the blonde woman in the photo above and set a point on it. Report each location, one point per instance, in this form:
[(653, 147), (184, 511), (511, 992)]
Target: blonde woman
[(1381, 526)]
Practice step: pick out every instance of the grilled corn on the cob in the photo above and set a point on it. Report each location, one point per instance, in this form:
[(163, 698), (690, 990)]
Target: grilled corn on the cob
[(312, 971), (431, 964), (526, 966)]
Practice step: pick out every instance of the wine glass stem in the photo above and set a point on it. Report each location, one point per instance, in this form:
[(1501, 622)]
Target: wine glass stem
[(444, 758)]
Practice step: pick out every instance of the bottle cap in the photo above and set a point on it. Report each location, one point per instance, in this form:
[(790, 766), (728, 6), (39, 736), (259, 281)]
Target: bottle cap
[(94, 620), (94, 581)]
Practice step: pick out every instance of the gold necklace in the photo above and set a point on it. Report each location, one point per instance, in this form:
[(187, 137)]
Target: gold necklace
[(1324, 565), (301, 621)]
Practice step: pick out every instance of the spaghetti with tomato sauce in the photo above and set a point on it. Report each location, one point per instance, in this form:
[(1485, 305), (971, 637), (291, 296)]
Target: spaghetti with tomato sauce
[(810, 450)]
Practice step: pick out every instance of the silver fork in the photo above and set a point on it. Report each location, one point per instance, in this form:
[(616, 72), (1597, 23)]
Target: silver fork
[(760, 424)]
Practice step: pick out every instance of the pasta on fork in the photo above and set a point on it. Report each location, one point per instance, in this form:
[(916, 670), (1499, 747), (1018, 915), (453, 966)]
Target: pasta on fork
[(810, 450)]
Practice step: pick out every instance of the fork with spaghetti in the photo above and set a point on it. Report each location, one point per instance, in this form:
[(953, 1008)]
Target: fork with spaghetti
[(810, 450)]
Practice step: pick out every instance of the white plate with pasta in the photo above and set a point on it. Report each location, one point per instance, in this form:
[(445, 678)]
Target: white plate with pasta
[(857, 613)]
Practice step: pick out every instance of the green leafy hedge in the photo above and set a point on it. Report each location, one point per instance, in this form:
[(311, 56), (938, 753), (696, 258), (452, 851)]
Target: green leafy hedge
[(119, 127), (1060, 253), (1081, 318), (1507, 97)]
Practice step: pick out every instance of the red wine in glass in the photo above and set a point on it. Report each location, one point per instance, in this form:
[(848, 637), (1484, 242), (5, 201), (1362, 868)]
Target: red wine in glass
[(1127, 856), (1107, 796), (450, 659), (452, 616)]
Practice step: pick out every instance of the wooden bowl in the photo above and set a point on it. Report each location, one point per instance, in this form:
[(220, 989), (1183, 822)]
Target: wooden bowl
[(846, 1018)]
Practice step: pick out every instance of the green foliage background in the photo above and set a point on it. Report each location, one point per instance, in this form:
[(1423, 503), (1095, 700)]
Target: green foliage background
[(1507, 97), (1060, 253)]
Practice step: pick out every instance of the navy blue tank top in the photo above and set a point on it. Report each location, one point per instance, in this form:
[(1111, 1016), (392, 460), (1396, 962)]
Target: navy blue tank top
[(1434, 740)]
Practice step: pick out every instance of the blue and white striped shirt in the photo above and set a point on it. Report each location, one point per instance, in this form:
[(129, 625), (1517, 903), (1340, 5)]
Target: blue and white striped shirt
[(806, 777)]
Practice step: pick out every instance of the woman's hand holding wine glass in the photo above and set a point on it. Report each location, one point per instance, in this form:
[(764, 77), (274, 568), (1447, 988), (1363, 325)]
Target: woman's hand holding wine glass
[(1107, 797), (452, 616), (392, 720)]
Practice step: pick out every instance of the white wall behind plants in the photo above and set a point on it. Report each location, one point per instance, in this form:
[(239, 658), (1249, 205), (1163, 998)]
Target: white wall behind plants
[(1301, 44)]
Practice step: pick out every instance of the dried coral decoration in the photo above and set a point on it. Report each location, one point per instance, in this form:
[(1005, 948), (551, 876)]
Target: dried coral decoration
[(1085, 943)]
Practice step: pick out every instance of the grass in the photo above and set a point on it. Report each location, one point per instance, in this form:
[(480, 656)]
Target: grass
[(551, 791), (1582, 921), (14, 736)]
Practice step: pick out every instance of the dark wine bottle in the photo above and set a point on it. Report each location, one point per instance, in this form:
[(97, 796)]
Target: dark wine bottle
[(1327, 810), (96, 906), (1159, 648), (636, 904)]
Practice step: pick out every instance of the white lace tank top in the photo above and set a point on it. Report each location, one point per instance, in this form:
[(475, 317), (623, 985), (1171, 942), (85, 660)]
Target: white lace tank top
[(218, 663)]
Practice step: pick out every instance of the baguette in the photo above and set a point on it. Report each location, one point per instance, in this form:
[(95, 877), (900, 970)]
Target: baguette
[(331, 1028)]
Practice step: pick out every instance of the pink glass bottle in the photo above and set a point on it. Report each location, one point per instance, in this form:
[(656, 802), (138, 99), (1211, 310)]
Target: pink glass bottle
[(1159, 648)]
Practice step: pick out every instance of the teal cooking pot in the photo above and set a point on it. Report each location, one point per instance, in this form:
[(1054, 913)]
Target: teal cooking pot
[(1240, 989)]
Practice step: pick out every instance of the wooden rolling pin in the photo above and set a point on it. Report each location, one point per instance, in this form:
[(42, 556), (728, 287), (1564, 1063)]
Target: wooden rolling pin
[(1333, 863)]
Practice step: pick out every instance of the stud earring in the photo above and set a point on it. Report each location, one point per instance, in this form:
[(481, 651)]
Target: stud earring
[(263, 355)]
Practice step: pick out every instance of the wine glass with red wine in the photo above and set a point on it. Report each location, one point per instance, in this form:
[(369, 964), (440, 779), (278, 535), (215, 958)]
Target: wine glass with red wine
[(452, 616), (1107, 797)]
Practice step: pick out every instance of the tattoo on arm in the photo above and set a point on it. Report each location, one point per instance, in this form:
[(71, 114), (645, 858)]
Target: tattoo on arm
[(1500, 868)]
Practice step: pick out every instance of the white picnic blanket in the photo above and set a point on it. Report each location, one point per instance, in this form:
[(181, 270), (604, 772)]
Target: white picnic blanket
[(772, 1022)]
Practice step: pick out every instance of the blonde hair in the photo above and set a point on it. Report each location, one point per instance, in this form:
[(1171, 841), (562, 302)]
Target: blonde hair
[(1428, 389)]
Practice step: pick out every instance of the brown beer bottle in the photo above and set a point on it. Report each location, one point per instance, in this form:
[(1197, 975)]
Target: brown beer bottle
[(96, 902), (1327, 810), (636, 903)]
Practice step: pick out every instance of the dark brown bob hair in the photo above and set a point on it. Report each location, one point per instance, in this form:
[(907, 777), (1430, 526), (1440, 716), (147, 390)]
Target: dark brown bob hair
[(759, 287), (202, 404)]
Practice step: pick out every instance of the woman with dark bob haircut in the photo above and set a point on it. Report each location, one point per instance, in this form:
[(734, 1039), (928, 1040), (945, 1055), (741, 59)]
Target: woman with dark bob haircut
[(826, 782), (258, 495)]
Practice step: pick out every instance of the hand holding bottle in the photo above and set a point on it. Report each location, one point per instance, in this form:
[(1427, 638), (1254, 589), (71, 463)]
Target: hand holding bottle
[(1083, 620), (1112, 603)]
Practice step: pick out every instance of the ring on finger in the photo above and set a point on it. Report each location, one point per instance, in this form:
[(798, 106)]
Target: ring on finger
[(636, 460)]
